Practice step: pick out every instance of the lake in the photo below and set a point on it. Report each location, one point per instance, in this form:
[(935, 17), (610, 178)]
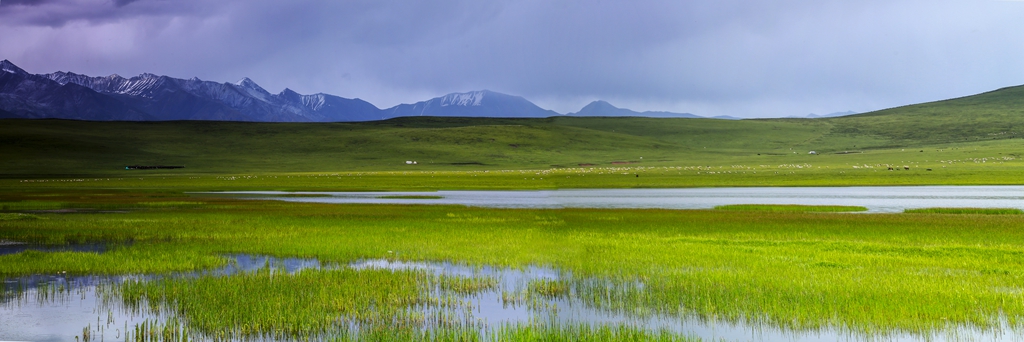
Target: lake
[(881, 199)]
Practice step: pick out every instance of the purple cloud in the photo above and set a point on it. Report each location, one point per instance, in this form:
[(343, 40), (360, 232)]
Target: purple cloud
[(725, 57), (58, 13)]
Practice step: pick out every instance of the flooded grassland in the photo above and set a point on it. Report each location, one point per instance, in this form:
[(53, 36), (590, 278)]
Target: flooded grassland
[(446, 272)]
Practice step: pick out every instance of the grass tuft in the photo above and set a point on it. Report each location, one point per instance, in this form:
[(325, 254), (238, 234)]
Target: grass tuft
[(974, 211), (791, 208), (18, 216), (867, 274)]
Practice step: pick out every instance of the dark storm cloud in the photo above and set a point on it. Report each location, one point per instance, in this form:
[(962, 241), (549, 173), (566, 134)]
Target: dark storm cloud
[(22, 2), (120, 3), (57, 13), (726, 57)]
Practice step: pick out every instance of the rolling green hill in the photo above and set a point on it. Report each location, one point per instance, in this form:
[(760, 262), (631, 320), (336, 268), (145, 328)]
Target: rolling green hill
[(993, 115), (76, 147), (62, 147)]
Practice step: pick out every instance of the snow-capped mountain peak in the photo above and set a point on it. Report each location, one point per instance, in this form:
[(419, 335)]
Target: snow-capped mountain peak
[(314, 102), (288, 92), (248, 83), (65, 77), (154, 97), (7, 66), (474, 98), (249, 87), (481, 103)]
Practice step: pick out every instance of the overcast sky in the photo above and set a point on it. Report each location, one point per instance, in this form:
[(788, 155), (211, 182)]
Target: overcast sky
[(743, 58)]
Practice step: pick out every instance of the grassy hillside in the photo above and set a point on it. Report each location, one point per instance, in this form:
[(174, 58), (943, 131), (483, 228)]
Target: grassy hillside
[(993, 115), (979, 127), (75, 147)]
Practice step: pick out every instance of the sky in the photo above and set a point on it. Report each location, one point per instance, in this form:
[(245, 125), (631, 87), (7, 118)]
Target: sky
[(743, 58)]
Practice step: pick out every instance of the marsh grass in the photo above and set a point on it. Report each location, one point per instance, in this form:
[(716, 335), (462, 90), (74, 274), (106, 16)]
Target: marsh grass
[(550, 288), (85, 206), (869, 274), (32, 205), (318, 303), (788, 268), (18, 216), (583, 332), (791, 208), (170, 204), (974, 211)]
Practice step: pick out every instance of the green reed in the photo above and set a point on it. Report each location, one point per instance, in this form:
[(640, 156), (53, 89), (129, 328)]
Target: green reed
[(869, 274), (271, 304), (792, 207), (977, 211)]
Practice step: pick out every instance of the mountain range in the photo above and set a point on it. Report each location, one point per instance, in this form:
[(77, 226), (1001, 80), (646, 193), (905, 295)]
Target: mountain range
[(149, 97)]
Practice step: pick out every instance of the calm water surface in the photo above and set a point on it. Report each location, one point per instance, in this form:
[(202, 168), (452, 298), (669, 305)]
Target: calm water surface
[(882, 199), (28, 317), (57, 307)]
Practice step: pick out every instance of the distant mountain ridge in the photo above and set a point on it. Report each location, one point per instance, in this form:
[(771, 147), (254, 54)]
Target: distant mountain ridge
[(484, 103), (24, 95), (167, 98), (602, 108), (150, 97)]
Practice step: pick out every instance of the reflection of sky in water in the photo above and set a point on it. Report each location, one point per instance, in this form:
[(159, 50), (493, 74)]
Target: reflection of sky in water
[(491, 310), (876, 199), (62, 318)]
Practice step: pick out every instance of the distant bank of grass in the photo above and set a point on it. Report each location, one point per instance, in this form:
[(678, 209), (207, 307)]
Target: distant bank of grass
[(791, 207), (979, 211), (871, 274), (17, 216), (990, 163), (700, 152)]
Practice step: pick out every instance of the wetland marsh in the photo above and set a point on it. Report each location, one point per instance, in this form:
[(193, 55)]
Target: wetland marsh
[(604, 274), (740, 265)]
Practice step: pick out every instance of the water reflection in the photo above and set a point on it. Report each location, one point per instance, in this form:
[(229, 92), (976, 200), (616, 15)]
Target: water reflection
[(493, 308), (58, 307), (881, 199)]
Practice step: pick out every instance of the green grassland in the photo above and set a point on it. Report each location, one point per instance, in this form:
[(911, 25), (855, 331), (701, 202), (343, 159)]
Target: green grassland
[(51, 147), (868, 274), (983, 163), (792, 207), (64, 182), (981, 211), (975, 163), (972, 140)]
